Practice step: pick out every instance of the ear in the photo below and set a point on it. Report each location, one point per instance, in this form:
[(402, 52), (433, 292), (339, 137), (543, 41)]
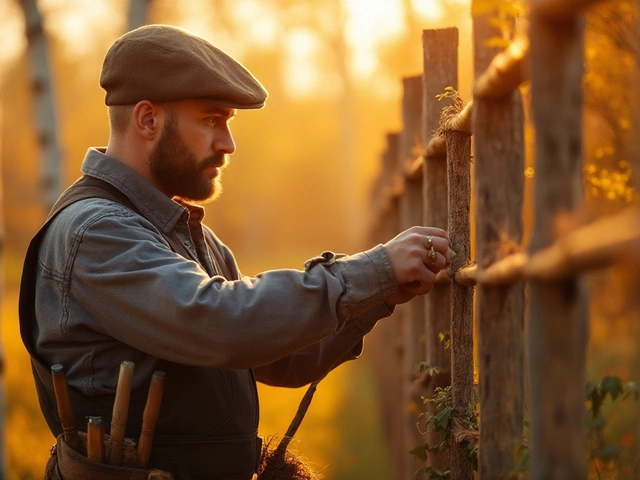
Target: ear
[(146, 119)]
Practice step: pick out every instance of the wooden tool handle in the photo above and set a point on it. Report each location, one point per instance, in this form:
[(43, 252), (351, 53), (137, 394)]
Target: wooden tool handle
[(150, 417), (65, 410), (95, 439), (121, 411)]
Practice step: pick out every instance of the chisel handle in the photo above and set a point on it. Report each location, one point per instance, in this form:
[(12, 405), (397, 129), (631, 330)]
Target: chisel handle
[(95, 439), (150, 417), (120, 411), (65, 410)]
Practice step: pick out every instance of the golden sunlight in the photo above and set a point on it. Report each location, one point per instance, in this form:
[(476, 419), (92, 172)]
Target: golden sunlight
[(431, 9), (301, 72), (264, 24), (11, 33), (74, 25), (369, 24)]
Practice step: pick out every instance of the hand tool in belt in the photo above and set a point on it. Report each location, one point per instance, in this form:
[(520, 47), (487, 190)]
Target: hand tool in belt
[(150, 417), (65, 411), (120, 411), (95, 439)]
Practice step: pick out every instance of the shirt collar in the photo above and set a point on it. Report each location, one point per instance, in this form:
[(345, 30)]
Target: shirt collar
[(159, 209)]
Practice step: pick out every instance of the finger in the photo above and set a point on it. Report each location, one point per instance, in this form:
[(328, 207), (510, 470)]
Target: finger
[(449, 255), (435, 232), (439, 244), (436, 264), (423, 285)]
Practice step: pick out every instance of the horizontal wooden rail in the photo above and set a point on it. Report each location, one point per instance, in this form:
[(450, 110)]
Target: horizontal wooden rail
[(507, 71), (597, 245)]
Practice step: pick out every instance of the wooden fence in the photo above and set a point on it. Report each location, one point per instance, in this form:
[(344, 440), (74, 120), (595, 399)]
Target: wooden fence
[(435, 189)]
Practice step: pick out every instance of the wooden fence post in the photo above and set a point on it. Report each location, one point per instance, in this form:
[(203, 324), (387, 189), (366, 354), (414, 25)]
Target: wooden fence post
[(413, 311), (558, 316), (386, 339), (498, 129), (440, 57), (462, 391)]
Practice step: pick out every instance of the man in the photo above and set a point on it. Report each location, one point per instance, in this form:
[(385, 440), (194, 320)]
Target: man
[(125, 270)]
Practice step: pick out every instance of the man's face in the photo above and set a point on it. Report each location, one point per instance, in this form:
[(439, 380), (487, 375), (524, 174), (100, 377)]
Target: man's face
[(192, 150)]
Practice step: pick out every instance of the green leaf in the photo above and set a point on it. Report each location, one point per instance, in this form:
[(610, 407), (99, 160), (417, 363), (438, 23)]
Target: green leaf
[(589, 389), (596, 423), (445, 339), (611, 385), (442, 419), (420, 452), (596, 399), (433, 474), (424, 367), (608, 453)]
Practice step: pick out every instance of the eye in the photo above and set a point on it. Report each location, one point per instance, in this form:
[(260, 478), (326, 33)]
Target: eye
[(213, 121)]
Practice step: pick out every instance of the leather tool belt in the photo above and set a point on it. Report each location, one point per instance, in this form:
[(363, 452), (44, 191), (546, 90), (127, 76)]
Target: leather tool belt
[(67, 464)]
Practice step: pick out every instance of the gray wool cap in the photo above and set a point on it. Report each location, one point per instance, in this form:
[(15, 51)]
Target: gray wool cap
[(162, 63)]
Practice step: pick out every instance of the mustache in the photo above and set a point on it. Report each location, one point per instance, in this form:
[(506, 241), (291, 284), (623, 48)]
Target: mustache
[(218, 160)]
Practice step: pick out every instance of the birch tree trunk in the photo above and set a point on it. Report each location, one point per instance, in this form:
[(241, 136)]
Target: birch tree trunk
[(138, 13), (45, 114)]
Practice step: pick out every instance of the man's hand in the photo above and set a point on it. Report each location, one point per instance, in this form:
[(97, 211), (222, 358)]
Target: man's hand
[(416, 255)]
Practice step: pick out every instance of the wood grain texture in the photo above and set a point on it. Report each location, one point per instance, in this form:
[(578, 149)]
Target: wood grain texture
[(558, 318), (440, 49)]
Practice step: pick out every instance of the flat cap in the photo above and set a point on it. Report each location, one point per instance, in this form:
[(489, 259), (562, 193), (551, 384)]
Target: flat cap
[(162, 63)]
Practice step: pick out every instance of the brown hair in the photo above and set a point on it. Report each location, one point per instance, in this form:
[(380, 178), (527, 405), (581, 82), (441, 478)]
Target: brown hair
[(119, 117)]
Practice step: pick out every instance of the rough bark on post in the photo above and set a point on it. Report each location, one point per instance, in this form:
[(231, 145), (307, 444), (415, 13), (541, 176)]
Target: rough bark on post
[(440, 51), (459, 182), (498, 129), (558, 316), (410, 204), (45, 115)]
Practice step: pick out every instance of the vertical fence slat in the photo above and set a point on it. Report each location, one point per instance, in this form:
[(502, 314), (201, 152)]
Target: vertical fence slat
[(557, 310), (440, 50), (386, 339), (413, 311), (459, 181), (498, 128)]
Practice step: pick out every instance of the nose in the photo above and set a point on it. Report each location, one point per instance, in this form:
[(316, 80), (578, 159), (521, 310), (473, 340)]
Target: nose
[(224, 142)]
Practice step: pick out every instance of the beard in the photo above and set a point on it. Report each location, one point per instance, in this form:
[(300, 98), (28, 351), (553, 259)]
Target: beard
[(177, 170)]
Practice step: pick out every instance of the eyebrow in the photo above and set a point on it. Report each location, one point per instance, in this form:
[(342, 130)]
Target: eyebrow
[(226, 112)]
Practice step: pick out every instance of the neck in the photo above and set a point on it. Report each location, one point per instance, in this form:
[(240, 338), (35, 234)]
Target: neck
[(131, 154)]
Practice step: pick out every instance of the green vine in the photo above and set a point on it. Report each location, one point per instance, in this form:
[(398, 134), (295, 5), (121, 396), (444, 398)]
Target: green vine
[(601, 456), (440, 421)]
